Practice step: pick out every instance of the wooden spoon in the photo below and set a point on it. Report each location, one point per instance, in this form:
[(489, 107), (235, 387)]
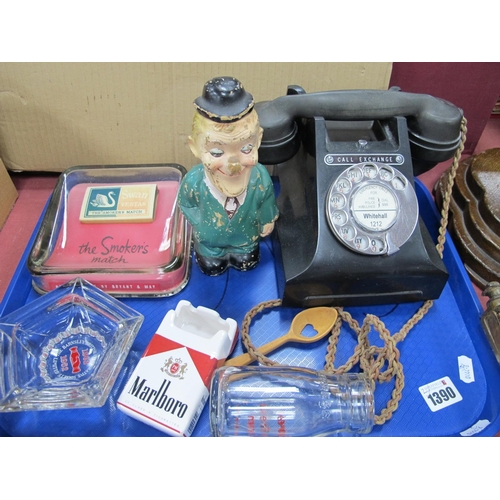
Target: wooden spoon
[(321, 319)]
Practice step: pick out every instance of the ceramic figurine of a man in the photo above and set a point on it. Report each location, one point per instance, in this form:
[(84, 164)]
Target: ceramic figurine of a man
[(229, 198)]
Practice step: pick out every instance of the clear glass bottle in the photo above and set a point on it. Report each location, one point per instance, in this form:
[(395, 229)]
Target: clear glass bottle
[(289, 401), (491, 316)]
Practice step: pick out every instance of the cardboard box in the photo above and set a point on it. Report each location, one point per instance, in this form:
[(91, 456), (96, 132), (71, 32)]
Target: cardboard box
[(8, 194), (58, 115)]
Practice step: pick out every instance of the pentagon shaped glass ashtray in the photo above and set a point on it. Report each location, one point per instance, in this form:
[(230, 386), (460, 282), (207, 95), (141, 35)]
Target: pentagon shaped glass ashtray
[(65, 349)]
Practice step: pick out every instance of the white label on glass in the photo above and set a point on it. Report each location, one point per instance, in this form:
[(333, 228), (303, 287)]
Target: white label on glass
[(440, 394), (477, 427), (465, 369)]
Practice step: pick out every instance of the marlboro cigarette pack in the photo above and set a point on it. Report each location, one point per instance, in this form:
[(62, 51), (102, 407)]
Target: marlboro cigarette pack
[(170, 385)]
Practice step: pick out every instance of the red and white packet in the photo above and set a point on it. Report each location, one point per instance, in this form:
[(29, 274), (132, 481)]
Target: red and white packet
[(170, 385)]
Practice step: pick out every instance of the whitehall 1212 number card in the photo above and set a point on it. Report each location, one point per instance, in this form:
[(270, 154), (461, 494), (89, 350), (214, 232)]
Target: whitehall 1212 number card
[(440, 394)]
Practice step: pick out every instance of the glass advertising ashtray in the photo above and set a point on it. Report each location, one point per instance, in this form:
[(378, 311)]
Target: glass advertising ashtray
[(64, 349), (117, 227)]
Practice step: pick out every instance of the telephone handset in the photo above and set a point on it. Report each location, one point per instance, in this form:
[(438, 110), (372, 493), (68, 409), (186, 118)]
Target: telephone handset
[(349, 231)]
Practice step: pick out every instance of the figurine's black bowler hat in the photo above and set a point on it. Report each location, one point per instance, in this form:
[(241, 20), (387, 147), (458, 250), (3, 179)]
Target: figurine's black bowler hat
[(224, 100)]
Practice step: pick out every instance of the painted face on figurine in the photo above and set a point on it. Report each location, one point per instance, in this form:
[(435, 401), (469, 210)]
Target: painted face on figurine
[(228, 151)]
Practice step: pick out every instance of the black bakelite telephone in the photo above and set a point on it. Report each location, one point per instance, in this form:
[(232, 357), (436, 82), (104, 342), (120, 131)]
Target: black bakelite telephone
[(349, 231)]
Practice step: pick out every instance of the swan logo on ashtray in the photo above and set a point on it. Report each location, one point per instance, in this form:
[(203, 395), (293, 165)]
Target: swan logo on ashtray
[(120, 203), (71, 354), (103, 198), (175, 368)]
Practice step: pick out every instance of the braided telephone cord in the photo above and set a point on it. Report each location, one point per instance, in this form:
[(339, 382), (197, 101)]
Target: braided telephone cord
[(371, 359)]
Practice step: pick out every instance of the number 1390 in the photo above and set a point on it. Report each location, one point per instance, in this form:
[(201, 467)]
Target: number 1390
[(439, 397), (440, 394)]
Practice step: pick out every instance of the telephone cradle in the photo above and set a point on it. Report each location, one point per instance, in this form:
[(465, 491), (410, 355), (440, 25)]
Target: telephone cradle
[(349, 231)]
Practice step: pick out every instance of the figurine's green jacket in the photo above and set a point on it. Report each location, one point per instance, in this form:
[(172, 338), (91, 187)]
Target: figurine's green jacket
[(215, 234)]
